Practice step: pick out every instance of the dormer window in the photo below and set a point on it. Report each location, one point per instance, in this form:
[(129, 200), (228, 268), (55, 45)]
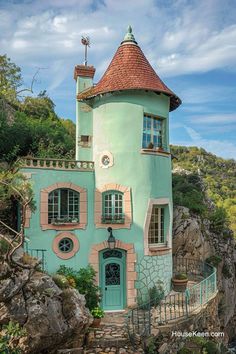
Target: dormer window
[(152, 132)]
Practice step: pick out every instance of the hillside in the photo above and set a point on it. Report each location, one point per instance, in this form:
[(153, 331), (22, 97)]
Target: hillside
[(213, 179)]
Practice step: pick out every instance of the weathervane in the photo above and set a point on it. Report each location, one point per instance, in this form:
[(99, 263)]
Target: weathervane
[(86, 42)]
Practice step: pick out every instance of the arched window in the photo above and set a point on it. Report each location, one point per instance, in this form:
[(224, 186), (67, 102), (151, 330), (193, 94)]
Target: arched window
[(63, 206), (113, 208)]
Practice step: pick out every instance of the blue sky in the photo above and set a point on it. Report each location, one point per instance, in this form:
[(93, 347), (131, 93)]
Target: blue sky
[(191, 45)]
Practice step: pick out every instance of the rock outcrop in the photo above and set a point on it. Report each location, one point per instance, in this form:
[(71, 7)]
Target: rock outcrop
[(52, 317), (192, 238)]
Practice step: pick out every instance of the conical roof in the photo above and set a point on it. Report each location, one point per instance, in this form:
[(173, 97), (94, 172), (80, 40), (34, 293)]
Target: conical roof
[(130, 70)]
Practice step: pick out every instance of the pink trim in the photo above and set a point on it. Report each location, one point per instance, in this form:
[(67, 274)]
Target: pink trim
[(127, 206), (44, 207), (131, 274), (56, 241)]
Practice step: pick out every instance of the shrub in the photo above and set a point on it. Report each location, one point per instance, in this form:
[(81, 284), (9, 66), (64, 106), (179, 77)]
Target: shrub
[(156, 294), (85, 283), (218, 220), (9, 338), (61, 281), (97, 312), (214, 260), (4, 246), (180, 276)]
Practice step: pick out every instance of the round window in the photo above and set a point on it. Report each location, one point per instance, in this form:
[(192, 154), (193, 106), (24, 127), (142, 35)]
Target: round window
[(65, 245), (105, 160)]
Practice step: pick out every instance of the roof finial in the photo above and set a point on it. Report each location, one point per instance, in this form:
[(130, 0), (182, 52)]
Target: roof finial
[(129, 37)]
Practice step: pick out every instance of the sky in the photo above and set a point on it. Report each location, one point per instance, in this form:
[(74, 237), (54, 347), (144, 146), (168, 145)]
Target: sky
[(190, 44)]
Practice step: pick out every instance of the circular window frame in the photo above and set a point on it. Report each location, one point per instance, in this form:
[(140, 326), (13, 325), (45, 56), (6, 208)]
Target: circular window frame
[(57, 240), (110, 156)]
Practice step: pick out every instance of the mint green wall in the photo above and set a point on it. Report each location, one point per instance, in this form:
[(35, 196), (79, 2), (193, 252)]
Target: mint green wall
[(116, 124), (84, 120)]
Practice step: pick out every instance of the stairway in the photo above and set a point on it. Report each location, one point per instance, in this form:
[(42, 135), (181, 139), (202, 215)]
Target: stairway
[(111, 337)]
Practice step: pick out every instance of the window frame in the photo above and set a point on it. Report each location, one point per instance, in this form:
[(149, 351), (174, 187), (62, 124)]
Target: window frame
[(160, 236), (112, 216), (161, 135), (83, 214), (58, 217)]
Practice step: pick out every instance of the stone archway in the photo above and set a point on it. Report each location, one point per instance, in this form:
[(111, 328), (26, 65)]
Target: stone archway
[(131, 274)]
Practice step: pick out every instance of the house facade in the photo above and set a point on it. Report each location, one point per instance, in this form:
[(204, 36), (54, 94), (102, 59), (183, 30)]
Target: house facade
[(120, 179)]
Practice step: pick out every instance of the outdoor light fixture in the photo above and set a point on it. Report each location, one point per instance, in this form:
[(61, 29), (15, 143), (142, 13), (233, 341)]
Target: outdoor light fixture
[(111, 239)]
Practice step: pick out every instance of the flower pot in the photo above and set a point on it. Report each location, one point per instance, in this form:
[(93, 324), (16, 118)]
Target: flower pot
[(179, 285), (96, 322)]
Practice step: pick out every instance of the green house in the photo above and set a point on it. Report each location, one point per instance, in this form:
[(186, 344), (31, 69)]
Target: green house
[(112, 206)]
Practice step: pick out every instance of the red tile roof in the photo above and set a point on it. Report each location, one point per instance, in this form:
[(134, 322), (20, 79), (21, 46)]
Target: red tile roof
[(130, 70)]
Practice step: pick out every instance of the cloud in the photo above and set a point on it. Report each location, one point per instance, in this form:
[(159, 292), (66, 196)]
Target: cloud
[(222, 148), (214, 119)]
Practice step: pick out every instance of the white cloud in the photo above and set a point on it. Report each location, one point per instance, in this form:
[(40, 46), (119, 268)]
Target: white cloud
[(223, 148), (214, 119)]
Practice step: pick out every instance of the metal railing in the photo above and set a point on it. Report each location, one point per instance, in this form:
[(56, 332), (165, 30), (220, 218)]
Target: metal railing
[(178, 305), (37, 253), (113, 219), (56, 164)]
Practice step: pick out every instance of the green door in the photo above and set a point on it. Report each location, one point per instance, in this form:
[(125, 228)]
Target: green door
[(112, 275)]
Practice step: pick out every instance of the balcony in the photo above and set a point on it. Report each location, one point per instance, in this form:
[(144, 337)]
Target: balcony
[(56, 164)]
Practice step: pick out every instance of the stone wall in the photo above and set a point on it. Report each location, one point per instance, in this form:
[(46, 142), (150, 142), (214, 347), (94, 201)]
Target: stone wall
[(192, 238)]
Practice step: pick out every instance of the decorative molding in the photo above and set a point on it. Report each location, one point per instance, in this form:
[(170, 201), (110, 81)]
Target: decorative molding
[(155, 250), (111, 159), (127, 206), (131, 274), (82, 207), (65, 255)]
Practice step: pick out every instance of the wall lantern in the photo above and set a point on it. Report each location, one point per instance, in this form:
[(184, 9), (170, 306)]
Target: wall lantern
[(111, 239)]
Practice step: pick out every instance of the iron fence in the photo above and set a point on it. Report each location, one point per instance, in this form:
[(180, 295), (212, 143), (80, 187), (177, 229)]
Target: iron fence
[(37, 253), (141, 319)]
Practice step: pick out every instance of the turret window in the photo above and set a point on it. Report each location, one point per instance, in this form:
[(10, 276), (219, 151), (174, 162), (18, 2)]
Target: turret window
[(152, 132), (156, 226), (63, 206), (113, 208)]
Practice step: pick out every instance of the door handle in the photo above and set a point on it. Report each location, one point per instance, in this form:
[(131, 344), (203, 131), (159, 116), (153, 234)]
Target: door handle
[(105, 288)]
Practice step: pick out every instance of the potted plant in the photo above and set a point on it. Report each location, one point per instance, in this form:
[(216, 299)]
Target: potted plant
[(179, 282), (97, 314)]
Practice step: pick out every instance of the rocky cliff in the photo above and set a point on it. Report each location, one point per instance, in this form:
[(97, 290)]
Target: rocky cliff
[(192, 238), (50, 316)]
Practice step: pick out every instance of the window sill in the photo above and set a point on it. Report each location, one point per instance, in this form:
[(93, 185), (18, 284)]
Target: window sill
[(63, 226), (159, 152), (158, 250)]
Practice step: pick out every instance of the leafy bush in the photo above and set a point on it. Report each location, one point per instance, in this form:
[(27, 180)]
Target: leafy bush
[(180, 276), (214, 260), (187, 192), (85, 283), (218, 220), (97, 312), (61, 281), (156, 294), (9, 338), (4, 246)]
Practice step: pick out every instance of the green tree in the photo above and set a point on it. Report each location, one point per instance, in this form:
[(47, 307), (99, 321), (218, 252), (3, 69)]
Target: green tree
[(10, 79)]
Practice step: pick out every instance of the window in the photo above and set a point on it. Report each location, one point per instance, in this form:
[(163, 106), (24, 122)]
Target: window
[(152, 132), (65, 244), (63, 206), (156, 227), (85, 140), (113, 208)]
